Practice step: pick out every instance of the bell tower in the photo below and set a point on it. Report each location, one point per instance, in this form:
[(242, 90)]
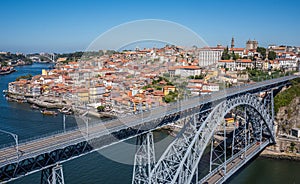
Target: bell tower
[(232, 42)]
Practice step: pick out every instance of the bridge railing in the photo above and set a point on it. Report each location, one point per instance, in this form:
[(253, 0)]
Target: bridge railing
[(39, 137)]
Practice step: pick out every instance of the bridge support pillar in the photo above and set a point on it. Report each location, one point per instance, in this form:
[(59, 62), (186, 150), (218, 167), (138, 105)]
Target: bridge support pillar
[(225, 146), (272, 111), (52, 175), (144, 159), (245, 132)]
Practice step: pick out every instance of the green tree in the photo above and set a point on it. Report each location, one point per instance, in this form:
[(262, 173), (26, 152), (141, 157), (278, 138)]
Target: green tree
[(4, 63), (171, 97), (262, 52), (272, 55), (292, 146), (235, 56), (27, 77), (101, 108), (225, 54), (285, 97), (199, 77)]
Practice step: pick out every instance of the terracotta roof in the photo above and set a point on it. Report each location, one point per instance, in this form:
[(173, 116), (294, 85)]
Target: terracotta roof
[(244, 60), (196, 81), (191, 67), (195, 87), (226, 61), (236, 49), (169, 87), (158, 93)]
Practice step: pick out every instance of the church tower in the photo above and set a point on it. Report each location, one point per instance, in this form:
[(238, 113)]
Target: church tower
[(232, 42)]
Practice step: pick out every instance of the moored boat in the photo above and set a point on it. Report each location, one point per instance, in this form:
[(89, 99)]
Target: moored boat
[(47, 112), (6, 70)]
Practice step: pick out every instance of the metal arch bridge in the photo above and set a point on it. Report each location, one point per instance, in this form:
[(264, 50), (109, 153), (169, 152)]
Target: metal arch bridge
[(51, 57), (182, 160)]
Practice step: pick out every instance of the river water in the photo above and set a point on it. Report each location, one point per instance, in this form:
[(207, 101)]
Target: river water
[(113, 164)]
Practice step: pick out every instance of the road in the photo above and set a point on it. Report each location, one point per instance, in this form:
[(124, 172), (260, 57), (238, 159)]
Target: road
[(232, 165)]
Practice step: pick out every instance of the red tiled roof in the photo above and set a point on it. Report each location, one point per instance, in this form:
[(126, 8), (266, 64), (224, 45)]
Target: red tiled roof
[(236, 49), (226, 61), (244, 60)]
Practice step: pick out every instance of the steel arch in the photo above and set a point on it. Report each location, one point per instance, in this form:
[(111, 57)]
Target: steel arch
[(183, 172)]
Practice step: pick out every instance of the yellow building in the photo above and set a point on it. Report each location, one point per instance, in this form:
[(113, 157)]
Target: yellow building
[(229, 120), (83, 95), (168, 89), (44, 72), (211, 74)]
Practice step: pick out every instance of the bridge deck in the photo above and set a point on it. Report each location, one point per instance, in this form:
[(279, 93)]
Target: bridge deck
[(62, 140), (235, 163)]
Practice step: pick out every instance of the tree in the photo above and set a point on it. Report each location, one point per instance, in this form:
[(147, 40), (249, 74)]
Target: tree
[(292, 146), (262, 52), (225, 54), (100, 108), (272, 55), (235, 56), (3, 64), (171, 97), (27, 77)]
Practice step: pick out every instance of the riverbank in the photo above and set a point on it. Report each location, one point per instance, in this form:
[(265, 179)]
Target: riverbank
[(172, 129), (270, 153), (7, 72)]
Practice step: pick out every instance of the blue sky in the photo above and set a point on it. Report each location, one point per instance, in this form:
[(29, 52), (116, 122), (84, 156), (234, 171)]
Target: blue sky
[(71, 25)]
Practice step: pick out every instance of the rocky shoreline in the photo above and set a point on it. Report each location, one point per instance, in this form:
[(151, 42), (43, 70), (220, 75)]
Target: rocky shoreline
[(52, 103), (267, 153)]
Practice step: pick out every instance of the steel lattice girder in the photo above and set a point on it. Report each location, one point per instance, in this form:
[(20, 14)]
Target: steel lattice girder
[(177, 166), (144, 159), (40, 162)]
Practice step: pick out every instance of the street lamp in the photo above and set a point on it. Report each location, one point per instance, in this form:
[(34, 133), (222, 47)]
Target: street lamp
[(15, 136)]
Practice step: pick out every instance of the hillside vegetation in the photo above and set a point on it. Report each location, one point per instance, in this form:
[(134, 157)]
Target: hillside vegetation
[(285, 97)]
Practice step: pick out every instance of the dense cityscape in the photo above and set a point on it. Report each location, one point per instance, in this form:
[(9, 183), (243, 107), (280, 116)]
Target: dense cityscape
[(123, 82)]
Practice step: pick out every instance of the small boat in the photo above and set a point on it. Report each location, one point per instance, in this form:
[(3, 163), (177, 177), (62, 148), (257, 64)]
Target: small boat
[(47, 112), (33, 106), (6, 70)]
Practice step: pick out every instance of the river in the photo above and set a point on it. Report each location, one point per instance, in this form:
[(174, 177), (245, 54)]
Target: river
[(112, 164)]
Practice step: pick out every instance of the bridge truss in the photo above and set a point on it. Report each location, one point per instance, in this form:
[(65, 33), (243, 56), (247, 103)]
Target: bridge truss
[(208, 149)]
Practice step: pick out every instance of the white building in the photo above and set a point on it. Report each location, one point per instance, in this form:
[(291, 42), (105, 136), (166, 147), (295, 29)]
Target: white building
[(289, 64), (96, 92), (210, 87), (210, 55), (186, 71), (238, 51), (36, 90), (229, 64), (243, 64)]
